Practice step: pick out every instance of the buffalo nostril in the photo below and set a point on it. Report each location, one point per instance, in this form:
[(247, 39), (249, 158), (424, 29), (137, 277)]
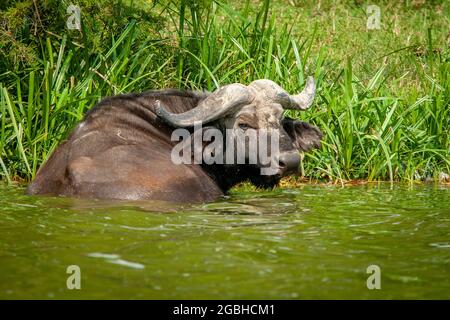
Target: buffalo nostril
[(289, 162)]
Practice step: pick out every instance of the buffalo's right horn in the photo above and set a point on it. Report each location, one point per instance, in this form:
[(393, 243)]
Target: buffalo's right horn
[(211, 108)]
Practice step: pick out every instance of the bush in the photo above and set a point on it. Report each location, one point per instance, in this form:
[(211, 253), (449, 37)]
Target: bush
[(384, 119)]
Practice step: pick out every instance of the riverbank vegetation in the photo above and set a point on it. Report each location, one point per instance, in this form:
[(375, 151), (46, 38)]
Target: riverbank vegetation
[(383, 94)]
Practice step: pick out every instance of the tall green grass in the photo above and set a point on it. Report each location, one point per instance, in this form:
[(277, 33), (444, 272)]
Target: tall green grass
[(374, 128)]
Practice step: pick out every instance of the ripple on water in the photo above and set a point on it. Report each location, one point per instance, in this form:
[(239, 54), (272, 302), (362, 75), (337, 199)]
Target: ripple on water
[(308, 242), (116, 259)]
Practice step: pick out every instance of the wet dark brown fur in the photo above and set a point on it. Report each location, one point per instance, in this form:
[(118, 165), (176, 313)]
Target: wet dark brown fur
[(122, 150)]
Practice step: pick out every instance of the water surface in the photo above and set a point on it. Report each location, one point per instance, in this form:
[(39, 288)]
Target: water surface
[(305, 243)]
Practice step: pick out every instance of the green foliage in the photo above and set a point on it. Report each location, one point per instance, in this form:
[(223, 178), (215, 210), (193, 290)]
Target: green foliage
[(384, 119), (25, 25)]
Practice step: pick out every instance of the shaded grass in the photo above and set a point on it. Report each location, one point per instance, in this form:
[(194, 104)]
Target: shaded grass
[(377, 125)]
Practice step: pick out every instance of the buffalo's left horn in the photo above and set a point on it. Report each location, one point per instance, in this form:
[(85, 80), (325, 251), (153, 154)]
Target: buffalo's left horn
[(211, 108), (275, 93), (301, 101)]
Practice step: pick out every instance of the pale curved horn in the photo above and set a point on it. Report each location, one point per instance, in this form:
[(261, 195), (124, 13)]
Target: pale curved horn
[(301, 101), (211, 108), (274, 92)]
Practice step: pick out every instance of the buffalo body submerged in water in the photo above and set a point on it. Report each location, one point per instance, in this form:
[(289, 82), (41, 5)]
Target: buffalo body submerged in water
[(123, 148)]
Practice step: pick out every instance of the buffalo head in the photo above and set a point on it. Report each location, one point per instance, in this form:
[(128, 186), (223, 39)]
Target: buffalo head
[(259, 107)]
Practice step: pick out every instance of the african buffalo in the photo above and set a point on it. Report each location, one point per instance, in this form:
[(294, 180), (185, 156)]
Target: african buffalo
[(122, 148)]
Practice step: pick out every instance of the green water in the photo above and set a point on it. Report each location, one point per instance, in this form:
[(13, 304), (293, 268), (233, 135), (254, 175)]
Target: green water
[(311, 242)]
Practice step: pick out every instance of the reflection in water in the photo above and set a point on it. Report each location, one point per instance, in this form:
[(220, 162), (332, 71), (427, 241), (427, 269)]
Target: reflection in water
[(309, 242)]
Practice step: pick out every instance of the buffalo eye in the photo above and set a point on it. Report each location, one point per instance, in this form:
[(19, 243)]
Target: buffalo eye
[(244, 126)]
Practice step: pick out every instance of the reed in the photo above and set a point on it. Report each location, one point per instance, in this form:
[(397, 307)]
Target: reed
[(377, 125)]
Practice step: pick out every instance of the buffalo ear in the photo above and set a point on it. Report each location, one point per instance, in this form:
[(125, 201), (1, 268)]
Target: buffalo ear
[(304, 135)]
